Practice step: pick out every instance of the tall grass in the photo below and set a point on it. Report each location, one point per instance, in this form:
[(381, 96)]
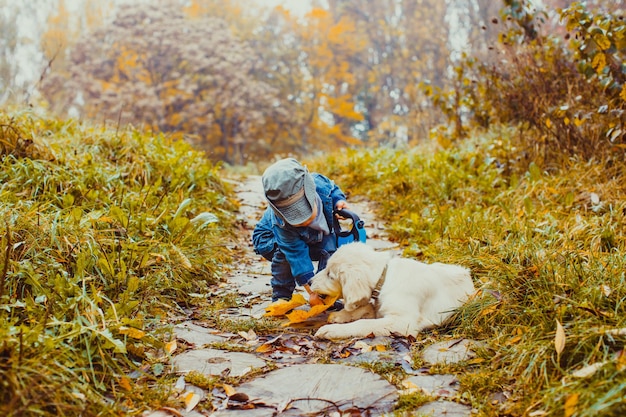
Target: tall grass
[(543, 248), (104, 233)]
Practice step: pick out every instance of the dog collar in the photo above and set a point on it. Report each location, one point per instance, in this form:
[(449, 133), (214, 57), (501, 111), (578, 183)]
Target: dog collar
[(380, 283)]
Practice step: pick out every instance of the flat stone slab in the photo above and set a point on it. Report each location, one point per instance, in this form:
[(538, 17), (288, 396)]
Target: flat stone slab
[(452, 351), (216, 362), (444, 409), (197, 335), (437, 385), (247, 283), (321, 388)]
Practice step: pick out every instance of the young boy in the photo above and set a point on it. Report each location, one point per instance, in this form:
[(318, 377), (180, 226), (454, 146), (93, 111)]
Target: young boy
[(297, 227)]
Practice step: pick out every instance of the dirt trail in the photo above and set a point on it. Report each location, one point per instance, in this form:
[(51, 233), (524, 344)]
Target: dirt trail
[(295, 374)]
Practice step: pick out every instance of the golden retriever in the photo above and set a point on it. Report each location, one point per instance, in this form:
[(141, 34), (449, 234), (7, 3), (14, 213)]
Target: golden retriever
[(386, 295)]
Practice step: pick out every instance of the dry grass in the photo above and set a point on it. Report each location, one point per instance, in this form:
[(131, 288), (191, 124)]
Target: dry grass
[(105, 234), (542, 248)]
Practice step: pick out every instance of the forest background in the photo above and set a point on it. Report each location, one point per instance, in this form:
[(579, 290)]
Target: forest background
[(498, 128), (244, 83)]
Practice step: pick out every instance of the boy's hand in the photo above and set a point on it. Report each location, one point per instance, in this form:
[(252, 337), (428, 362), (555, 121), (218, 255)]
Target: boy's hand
[(314, 298), (341, 205)]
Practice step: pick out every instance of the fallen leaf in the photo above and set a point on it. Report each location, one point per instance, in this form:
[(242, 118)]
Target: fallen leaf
[(514, 340), (264, 348), (488, 310), (588, 370), (410, 385), (362, 346), (559, 338), (249, 335), (570, 405), (170, 346), (298, 316), (125, 383), (229, 390), (380, 348), (281, 307), (132, 332), (180, 384), (191, 399)]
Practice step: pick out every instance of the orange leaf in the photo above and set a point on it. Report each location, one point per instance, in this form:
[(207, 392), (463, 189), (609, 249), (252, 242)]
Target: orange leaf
[(298, 316), (125, 383), (265, 347), (281, 307)]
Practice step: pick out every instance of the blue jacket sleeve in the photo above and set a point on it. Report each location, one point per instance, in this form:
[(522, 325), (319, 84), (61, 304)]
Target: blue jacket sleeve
[(263, 238)]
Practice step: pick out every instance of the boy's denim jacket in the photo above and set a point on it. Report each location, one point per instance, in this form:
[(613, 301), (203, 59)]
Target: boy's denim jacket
[(297, 243)]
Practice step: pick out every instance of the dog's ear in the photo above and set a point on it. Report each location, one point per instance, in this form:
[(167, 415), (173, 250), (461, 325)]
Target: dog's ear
[(356, 292)]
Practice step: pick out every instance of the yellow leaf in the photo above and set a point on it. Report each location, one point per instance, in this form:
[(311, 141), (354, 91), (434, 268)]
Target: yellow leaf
[(132, 332), (281, 307), (623, 93), (191, 399), (514, 340), (548, 123), (171, 346), (570, 405), (559, 338), (229, 390), (380, 348), (566, 121), (578, 122), (488, 310), (410, 385), (599, 62), (602, 41)]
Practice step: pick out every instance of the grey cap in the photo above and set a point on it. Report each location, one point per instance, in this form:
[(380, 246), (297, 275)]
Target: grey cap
[(290, 190)]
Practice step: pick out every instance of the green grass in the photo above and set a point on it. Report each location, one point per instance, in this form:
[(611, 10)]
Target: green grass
[(107, 233), (543, 247), (104, 234)]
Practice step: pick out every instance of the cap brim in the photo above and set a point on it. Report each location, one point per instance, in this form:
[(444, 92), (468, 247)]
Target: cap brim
[(301, 210)]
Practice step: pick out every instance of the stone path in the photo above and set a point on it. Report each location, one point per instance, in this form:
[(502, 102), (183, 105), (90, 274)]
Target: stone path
[(292, 373)]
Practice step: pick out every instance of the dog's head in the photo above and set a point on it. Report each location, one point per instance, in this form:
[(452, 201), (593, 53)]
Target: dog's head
[(346, 276)]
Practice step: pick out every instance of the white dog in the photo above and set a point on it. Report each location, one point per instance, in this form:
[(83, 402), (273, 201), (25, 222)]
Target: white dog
[(384, 294)]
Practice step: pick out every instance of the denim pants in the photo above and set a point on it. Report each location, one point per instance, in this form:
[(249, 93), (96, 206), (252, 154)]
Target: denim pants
[(283, 283)]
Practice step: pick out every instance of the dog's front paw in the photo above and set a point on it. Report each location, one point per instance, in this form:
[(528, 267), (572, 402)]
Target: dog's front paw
[(340, 317), (330, 331)]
